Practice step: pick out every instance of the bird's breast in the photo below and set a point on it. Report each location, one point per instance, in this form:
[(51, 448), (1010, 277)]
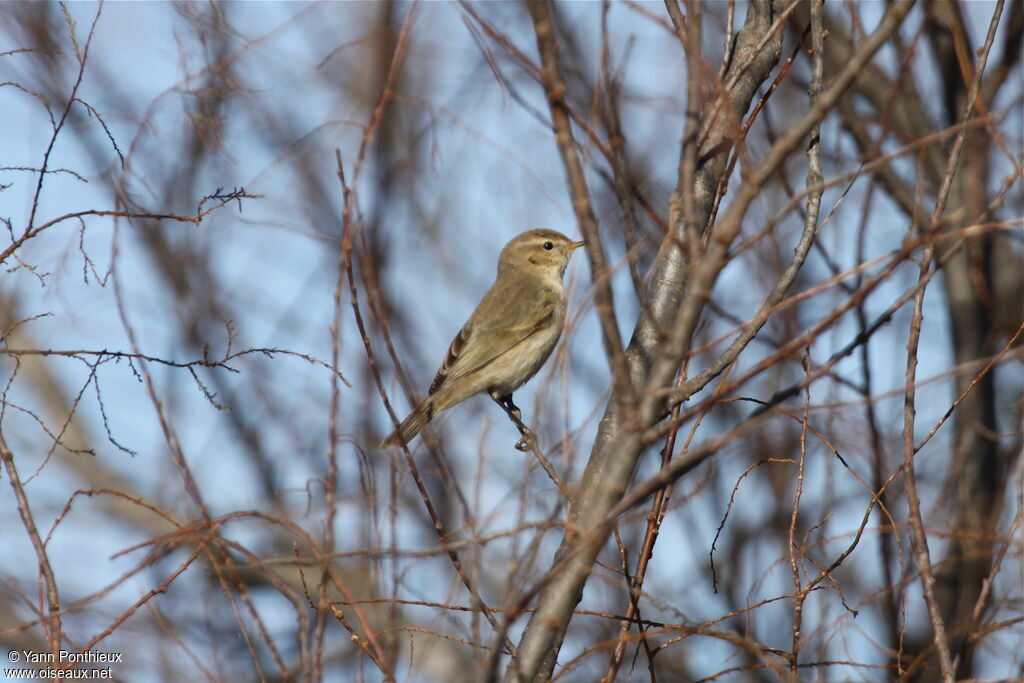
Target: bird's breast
[(522, 361)]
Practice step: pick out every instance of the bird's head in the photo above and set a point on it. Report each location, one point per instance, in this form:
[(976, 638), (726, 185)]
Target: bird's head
[(544, 251)]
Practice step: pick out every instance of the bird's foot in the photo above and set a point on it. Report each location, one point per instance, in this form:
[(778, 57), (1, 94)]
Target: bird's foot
[(527, 441), (527, 438)]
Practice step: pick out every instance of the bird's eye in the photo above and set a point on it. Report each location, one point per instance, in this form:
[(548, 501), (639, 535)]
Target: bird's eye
[(549, 246)]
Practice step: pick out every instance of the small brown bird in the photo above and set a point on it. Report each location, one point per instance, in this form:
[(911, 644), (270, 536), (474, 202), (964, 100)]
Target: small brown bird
[(510, 334)]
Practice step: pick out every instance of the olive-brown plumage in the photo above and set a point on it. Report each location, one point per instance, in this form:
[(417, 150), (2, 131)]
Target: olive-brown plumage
[(510, 334)]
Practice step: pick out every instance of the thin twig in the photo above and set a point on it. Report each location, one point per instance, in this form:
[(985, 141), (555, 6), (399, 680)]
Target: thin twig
[(528, 441), (48, 587)]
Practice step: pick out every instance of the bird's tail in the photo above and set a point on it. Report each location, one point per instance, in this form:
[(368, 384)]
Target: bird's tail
[(412, 424)]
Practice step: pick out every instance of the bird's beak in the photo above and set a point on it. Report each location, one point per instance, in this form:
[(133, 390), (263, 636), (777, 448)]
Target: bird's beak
[(576, 245)]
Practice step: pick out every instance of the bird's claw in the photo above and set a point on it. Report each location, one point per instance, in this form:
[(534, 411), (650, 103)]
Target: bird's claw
[(526, 441)]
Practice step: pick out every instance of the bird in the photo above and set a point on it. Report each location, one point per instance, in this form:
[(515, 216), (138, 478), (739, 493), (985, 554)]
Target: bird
[(509, 335)]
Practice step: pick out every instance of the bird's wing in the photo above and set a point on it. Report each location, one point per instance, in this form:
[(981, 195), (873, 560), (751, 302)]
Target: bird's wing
[(514, 318)]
